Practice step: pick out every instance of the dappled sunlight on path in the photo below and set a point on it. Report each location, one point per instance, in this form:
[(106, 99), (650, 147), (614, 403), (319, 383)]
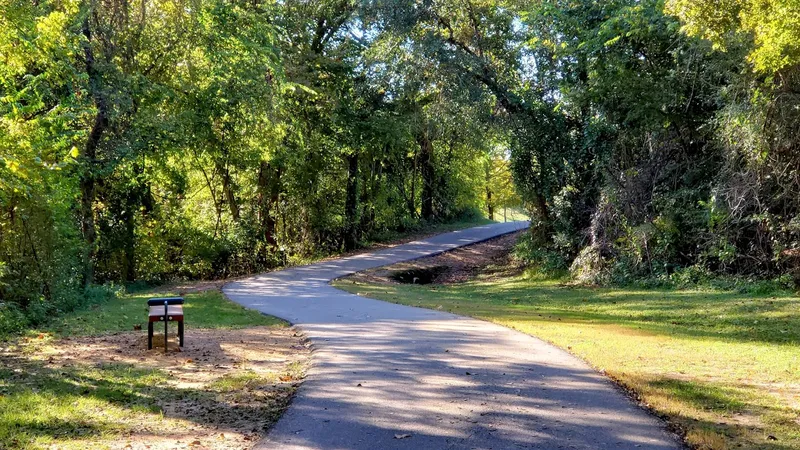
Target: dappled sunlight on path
[(390, 376)]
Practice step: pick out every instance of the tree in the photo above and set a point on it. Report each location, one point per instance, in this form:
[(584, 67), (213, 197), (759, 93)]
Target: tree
[(500, 190), (772, 27)]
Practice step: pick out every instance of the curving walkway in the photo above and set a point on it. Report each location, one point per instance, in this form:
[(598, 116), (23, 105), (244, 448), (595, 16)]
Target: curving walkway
[(388, 376)]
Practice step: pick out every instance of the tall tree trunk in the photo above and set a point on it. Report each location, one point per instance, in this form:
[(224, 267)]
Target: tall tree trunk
[(351, 203), (89, 158), (228, 189), (489, 202), (369, 187), (411, 201), (541, 230), (271, 222), (88, 231), (137, 198), (267, 199), (428, 175), (130, 241)]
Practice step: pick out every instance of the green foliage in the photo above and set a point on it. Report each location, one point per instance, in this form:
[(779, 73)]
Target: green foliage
[(653, 124), (231, 138), (545, 261), (217, 140), (772, 26)]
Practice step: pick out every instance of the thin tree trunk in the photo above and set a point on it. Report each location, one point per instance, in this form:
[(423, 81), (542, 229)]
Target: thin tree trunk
[(268, 195), (489, 203), (351, 203), (130, 242), (428, 175), (138, 196), (271, 223), (541, 230), (412, 200), (89, 159), (228, 190)]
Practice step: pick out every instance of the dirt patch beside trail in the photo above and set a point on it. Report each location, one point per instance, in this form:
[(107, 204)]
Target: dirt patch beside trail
[(484, 260), (223, 390)]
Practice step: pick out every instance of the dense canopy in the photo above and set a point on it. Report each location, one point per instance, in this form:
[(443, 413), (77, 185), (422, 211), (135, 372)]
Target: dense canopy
[(149, 140)]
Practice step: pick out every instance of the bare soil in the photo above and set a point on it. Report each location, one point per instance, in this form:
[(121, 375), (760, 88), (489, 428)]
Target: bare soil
[(224, 389), (485, 260)]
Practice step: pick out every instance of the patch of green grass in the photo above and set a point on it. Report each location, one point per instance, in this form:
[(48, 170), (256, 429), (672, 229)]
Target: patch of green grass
[(80, 405), (241, 381), (40, 405), (510, 215), (721, 365), (208, 309)]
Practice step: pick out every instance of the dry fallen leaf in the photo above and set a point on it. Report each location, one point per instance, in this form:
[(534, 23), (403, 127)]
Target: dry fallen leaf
[(402, 436), (196, 443)]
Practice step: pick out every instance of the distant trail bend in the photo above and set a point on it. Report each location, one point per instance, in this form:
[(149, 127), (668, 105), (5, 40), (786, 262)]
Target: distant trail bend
[(388, 376)]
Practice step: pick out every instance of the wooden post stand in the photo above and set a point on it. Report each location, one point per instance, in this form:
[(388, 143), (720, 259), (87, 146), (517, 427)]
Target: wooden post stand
[(168, 309)]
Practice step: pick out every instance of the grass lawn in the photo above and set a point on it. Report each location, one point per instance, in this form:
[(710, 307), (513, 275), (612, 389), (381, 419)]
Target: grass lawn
[(87, 380), (207, 309), (722, 367)]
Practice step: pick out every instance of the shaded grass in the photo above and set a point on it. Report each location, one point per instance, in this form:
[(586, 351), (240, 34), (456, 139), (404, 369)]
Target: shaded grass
[(724, 367), (208, 309), (80, 406), (39, 406)]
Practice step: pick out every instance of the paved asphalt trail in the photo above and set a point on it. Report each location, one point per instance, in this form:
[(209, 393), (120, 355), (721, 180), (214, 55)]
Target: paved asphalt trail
[(382, 371)]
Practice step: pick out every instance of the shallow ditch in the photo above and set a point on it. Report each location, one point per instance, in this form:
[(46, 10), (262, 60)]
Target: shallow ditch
[(425, 275)]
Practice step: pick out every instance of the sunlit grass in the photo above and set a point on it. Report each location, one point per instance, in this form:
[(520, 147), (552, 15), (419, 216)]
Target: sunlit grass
[(208, 309), (510, 215), (40, 406), (722, 366)]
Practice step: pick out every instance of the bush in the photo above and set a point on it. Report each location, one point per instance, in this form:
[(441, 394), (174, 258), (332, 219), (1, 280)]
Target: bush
[(12, 319), (590, 267), (546, 261)]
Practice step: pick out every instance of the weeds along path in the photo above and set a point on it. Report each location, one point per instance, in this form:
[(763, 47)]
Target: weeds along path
[(387, 376)]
